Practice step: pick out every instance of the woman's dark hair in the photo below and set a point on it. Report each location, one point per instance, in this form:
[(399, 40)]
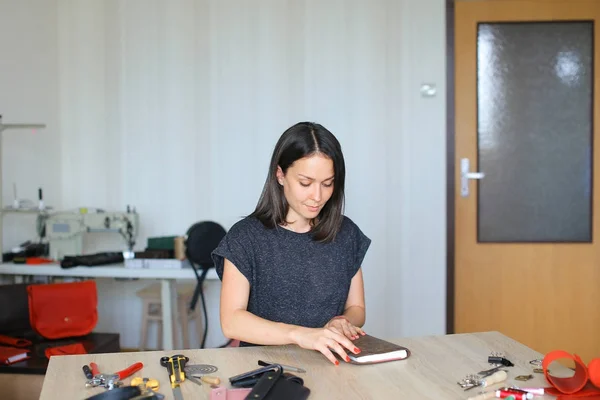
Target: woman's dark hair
[(303, 140)]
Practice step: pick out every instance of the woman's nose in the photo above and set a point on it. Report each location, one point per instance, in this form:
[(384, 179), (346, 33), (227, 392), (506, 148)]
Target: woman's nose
[(316, 194)]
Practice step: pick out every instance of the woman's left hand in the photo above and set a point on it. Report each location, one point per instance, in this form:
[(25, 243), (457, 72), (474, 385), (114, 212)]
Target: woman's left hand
[(344, 327)]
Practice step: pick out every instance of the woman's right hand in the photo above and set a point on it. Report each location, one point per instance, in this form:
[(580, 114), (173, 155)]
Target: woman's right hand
[(325, 340)]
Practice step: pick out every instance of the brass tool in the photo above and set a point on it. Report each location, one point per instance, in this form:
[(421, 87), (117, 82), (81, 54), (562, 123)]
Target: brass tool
[(147, 383)]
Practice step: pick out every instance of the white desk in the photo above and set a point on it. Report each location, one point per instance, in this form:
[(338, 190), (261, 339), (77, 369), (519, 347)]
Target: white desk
[(166, 276)]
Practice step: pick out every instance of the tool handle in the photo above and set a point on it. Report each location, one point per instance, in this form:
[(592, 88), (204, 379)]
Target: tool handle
[(129, 371), (179, 364), (496, 377), (88, 372), (167, 362), (287, 368), (175, 365), (484, 396), (211, 380), (95, 369)]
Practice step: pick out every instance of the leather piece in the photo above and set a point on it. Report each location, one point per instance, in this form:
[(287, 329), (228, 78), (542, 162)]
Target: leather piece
[(14, 342), (223, 393), (275, 385), (577, 385), (250, 378), (69, 349), (566, 385), (124, 393)]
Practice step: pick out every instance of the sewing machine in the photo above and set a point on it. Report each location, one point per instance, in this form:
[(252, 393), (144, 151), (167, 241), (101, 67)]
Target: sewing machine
[(65, 230)]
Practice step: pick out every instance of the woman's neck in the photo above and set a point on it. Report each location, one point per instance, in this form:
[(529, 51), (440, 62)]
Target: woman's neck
[(299, 225)]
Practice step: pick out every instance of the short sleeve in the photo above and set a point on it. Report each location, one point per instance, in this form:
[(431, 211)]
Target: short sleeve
[(361, 244), (237, 248)]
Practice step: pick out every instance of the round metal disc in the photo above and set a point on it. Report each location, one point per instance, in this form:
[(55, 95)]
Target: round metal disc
[(200, 369)]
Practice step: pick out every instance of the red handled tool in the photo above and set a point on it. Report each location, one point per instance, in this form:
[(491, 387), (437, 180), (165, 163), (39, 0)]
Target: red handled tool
[(111, 381), (95, 369), (129, 370)]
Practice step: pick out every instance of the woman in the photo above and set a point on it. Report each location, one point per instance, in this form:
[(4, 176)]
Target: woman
[(291, 271)]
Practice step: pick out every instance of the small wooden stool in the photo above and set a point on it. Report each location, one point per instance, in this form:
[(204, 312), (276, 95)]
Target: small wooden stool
[(152, 311)]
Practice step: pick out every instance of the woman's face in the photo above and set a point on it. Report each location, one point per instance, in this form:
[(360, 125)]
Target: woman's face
[(307, 186)]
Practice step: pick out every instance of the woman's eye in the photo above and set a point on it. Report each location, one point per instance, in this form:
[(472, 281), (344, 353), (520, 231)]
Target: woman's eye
[(328, 184), (304, 184)]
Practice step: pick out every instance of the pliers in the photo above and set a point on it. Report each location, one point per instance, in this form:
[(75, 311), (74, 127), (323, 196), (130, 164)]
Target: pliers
[(111, 381)]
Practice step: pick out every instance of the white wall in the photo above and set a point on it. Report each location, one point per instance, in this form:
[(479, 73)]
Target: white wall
[(29, 94), (175, 106)]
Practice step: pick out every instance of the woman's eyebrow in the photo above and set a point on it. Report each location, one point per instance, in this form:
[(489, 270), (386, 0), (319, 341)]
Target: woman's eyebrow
[(312, 179)]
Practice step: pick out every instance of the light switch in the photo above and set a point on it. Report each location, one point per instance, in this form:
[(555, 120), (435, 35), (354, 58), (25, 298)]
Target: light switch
[(428, 90)]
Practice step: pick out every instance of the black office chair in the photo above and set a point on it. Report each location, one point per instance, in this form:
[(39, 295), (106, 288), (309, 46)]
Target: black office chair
[(202, 239)]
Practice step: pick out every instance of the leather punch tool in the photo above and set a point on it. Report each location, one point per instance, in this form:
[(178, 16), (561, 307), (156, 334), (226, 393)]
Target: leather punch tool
[(111, 381)]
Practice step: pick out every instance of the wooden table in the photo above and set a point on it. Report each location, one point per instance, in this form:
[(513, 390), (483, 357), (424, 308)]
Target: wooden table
[(167, 277), (432, 372)]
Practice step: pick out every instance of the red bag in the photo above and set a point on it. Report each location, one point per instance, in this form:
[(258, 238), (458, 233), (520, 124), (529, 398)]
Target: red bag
[(62, 310)]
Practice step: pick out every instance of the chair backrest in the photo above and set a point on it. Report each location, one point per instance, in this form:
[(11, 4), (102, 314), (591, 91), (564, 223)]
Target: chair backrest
[(202, 238)]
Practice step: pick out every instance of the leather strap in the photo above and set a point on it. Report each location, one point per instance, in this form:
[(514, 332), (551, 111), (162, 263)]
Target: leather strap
[(579, 384), (276, 385), (15, 342), (124, 393), (69, 349), (265, 384), (566, 385)]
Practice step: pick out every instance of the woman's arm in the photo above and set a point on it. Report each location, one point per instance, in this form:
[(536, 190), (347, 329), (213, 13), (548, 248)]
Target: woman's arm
[(353, 319), (354, 310), (238, 323)]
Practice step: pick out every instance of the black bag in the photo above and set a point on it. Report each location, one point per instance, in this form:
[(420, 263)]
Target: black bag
[(14, 309), (277, 385)]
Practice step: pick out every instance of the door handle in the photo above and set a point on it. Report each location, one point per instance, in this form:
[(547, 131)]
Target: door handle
[(465, 175)]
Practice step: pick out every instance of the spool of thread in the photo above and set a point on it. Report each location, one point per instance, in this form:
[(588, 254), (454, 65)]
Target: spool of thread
[(179, 247)]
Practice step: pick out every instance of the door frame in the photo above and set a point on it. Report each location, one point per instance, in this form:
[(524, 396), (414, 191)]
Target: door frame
[(450, 164), (450, 167)]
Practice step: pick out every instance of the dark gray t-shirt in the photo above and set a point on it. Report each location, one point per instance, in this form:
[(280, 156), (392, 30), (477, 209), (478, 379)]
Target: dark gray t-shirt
[(293, 279)]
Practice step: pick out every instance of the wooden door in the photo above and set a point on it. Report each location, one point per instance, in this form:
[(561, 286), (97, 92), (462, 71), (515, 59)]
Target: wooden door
[(527, 235)]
